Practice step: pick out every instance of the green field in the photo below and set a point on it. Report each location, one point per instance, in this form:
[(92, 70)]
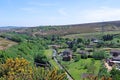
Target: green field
[(76, 69), (48, 53), (95, 34)]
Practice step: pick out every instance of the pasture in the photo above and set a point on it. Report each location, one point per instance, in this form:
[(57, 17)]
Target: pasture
[(86, 35)]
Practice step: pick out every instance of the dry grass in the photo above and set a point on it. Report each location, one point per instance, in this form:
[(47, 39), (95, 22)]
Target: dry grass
[(4, 44), (71, 29), (77, 30)]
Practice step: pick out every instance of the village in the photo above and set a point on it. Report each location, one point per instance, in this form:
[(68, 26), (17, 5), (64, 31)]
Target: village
[(88, 57)]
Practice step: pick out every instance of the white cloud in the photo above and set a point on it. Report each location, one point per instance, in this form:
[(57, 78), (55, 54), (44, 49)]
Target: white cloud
[(65, 16), (63, 12), (41, 4), (87, 16), (30, 10), (102, 14), (27, 9)]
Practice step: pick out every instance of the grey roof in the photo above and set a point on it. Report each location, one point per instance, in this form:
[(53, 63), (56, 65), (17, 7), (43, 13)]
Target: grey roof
[(116, 58), (67, 52), (115, 52)]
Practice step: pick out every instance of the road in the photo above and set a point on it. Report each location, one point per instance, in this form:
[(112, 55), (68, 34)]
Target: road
[(60, 66)]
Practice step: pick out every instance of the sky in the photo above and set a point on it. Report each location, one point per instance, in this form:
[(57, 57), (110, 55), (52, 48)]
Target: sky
[(57, 12)]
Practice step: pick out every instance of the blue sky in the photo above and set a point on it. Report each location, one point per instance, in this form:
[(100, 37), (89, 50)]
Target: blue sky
[(57, 12)]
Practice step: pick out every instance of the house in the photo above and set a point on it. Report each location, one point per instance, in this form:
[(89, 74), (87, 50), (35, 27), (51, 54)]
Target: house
[(94, 40), (67, 55), (115, 55), (83, 52), (115, 58)]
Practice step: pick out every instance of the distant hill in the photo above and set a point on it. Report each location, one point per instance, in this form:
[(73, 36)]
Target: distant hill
[(10, 27), (71, 29)]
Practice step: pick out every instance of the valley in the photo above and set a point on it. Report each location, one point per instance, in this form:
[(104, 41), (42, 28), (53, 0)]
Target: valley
[(65, 52)]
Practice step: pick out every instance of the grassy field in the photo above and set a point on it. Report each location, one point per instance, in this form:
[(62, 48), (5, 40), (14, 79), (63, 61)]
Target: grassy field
[(48, 53), (95, 34), (76, 69), (6, 43)]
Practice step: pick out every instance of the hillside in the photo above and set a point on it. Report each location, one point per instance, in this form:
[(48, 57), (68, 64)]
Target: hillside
[(70, 29)]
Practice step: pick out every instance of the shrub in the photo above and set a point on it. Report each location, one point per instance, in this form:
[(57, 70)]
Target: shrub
[(16, 68), (107, 37), (74, 48), (82, 48), (40, 58), (115, 74), (77, 58), (84, 56), (99, 55), (20, 69)]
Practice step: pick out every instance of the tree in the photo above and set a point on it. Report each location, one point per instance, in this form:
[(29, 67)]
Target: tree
[(79, 40), (99, 55), (74, 48), (2, 57), (76, 58), (103, 72), (100, 44), (87, 42), (107, 37), (53, 38), (115, 74), (118, 41), (84, 56), (40, 58)]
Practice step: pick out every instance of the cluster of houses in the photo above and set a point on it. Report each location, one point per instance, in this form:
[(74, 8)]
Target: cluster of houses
[(67, 54), (113, 60)]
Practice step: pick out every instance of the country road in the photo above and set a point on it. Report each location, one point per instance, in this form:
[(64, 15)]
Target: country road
[(60, 66)]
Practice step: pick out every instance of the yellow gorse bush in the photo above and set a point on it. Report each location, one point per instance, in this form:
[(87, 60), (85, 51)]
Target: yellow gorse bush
[(53, 75), (19, 69), (16, 69)]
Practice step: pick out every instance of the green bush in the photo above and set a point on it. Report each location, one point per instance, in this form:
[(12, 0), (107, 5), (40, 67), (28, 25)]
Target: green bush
[(40, 58), (99, 55), (77, 58), (84, 56)]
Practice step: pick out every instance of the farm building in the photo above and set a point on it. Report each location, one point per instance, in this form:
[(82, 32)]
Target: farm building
[(67, 55), (115, 58), (115, 54), (94, 40)]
